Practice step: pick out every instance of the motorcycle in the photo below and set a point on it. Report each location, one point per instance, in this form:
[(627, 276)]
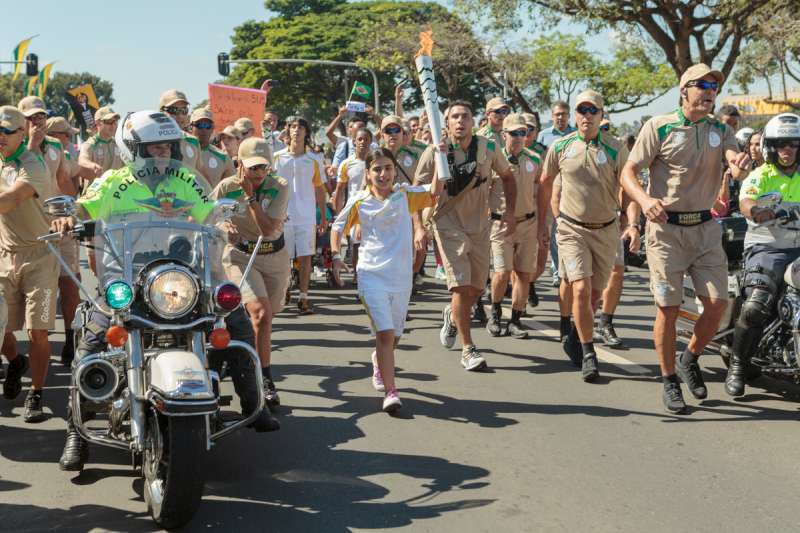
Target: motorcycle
[(777, 351), (153, 392)]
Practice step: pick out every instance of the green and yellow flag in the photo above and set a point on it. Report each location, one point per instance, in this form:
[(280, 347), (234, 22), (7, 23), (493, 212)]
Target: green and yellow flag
[(19, 56), (361, 90), (44, 77), (30, 85)]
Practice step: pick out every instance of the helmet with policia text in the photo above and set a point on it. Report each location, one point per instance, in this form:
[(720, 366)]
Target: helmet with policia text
[(783, 127), (139, 129), (743, 136)]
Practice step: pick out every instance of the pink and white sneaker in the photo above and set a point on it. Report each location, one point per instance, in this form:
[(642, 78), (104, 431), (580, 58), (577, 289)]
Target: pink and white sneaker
[(377, 380), (391, 402)]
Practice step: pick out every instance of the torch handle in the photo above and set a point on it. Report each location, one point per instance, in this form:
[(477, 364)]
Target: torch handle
[(427, 81)]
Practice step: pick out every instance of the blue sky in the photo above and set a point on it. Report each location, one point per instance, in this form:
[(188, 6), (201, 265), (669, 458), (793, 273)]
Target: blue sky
[(146, 46)]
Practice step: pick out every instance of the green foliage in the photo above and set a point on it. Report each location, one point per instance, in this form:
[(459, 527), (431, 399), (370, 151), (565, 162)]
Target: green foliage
[(380, 35), (293, 8), (11, 93)]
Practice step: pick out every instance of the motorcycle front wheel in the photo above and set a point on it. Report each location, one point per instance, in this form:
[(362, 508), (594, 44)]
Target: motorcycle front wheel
[(173, 467)]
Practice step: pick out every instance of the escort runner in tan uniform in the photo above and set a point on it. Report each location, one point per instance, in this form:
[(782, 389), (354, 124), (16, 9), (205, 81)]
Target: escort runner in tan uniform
[(265, 200), (175, 104), (496, 111), (28, 273), (587, 232), (216, 162), (407, 158), (682, 151), (514, 253), (461, 222), (99, 152)]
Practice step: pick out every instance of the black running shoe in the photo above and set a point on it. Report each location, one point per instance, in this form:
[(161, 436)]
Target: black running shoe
[(33, 407), (271, 393), (673, 398), (609, 336), (12, 386), (572, 347), (494, 326), (589, 370), (517, 330), (533, 298), (479, 313), (691, 375)]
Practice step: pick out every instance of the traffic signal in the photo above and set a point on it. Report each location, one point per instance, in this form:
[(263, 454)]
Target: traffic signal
[(32, 65), (223, 65)]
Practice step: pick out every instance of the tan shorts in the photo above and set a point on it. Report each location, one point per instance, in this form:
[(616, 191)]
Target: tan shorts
[(268, 278), (70, 252), (29, 282), (587, 253), (517, 252), (465, 256), (673, 251)]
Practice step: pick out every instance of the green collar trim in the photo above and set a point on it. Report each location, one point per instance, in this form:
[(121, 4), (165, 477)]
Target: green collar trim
[(17, 153), (98, 139)]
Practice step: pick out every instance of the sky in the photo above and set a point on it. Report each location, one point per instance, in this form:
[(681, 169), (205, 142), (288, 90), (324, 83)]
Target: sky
[(145, 47)]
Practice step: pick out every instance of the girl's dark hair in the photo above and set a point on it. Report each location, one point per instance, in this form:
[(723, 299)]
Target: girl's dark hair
[(303, 122), (376, 153), (364, 130)]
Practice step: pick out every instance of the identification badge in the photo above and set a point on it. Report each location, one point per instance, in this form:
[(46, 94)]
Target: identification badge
[(52, 154), (408, 161), (212, 163), (529, 166), (189, 152), (11, 176), (571, 151), (601, 157), (714, 139), (679, 137)]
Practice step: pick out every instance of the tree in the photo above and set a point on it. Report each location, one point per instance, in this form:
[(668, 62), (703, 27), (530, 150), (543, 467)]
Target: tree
[(686, 31), (12, 93), (348, 32), (293, 8)]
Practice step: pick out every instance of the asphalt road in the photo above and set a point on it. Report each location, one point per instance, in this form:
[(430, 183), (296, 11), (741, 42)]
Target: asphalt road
[(525, 446)]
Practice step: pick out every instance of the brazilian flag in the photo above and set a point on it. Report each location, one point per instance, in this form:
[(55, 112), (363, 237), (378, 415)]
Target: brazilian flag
[(18, 55), (361, 91)]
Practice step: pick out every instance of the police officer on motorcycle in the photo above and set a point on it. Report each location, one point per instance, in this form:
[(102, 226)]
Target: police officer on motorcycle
[(143, 135), (769, 246)]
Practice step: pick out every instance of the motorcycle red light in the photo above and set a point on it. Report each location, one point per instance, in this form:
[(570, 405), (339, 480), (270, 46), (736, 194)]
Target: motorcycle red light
[(228, 297), (220, 338)]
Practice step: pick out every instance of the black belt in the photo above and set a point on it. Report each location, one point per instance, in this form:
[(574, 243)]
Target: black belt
[(267, 247), (523, 218), (688, 218), (587, 225)]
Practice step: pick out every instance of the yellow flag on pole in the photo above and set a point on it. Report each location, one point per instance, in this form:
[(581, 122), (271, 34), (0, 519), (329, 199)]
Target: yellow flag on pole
[(18, 55), (44, 77)]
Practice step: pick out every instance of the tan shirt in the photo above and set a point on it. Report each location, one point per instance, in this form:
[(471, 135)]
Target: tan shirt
[(407, 160), (683, 158), (21, 227), (104, 153), (217, 164), (471, 213), (491, 134), (590, 173), (273, 195), (526, 174)]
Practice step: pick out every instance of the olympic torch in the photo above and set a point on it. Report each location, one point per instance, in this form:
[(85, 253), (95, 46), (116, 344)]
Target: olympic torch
[(427, 81)]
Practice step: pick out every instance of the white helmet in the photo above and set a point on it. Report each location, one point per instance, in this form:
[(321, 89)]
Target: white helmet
[(743, 136), (141, 128), (783, 127)]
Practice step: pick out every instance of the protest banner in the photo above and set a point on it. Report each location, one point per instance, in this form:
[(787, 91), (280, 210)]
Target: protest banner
[(229, 103)]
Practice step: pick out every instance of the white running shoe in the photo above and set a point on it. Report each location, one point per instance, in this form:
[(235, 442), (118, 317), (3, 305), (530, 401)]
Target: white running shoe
[(471, 359), (377, 379), (391, 402), (447, 336)]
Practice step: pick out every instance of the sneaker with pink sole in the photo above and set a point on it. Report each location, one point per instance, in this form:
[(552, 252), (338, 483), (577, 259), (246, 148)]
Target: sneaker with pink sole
[(391, 402), (377, 379)]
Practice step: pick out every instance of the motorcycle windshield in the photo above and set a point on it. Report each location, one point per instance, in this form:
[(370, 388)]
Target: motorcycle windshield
[(152, 212)]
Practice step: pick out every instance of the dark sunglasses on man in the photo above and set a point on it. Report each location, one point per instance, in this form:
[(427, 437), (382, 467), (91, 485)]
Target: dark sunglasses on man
[(703, 85), (392, 130), (501, 111), (177, 110), (605, 127), (6, 131), (517, 133), (203, 125), (588, 109)]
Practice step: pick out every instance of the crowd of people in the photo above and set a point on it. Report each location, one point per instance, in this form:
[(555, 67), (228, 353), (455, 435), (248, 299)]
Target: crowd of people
[(516, 195)]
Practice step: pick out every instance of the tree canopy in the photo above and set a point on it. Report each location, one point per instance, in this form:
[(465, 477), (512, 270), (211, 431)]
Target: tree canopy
[(12, 93)]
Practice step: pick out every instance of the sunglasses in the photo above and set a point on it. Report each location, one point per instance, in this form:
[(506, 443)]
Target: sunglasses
[(517, 133), (588, 109), (785, 144), (110, 122), (391, 130), (177, 110), (605, 127), (531, 129), (203, 125), (258, 168), (501, 111), (6, 131), (704, 85)]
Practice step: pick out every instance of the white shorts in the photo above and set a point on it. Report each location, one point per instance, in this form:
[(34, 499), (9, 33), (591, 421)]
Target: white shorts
[(300, 240), (386, 310)]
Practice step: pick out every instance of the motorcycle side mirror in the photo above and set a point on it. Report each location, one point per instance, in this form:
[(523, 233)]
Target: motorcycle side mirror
[(60, 206), (769, 200), (226, 208)]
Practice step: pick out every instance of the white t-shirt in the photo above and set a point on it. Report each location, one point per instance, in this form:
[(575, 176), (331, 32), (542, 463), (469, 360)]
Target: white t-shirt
[(352, 171), (386, 255), (304, 173)]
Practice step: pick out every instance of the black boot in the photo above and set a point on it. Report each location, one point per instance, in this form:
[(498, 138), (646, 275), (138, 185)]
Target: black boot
[(68, 351), (76, 449), (745, 340)]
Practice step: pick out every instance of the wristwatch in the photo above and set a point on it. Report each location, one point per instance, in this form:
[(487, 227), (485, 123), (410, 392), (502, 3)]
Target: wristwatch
[(635, 226)]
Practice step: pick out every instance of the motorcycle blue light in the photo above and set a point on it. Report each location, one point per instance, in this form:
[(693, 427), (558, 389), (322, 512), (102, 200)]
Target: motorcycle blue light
[(119, 295)]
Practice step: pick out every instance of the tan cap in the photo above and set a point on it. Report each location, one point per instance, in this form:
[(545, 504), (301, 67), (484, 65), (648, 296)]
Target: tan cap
[(11, 118), (60, 125), (589, 97), (171, 97), (201, 113), (530, 119), (514, 122), (231, 131), (255, 151), (496, 103), (30, 105), (105, 113), (391, 119), (243, 124), (700, 70)]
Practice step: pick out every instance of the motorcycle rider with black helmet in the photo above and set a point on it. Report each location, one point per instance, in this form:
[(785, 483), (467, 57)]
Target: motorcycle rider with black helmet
[(140, 136), (769, 248)]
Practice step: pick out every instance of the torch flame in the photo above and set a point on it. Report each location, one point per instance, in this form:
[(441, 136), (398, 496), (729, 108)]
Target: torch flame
[(425, 43)]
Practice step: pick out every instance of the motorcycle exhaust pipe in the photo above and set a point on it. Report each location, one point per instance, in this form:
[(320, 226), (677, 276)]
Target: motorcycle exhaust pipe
[(96, 378)]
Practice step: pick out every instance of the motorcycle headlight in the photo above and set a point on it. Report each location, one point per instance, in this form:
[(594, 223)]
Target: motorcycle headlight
[(119, 294), (171, 291)]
